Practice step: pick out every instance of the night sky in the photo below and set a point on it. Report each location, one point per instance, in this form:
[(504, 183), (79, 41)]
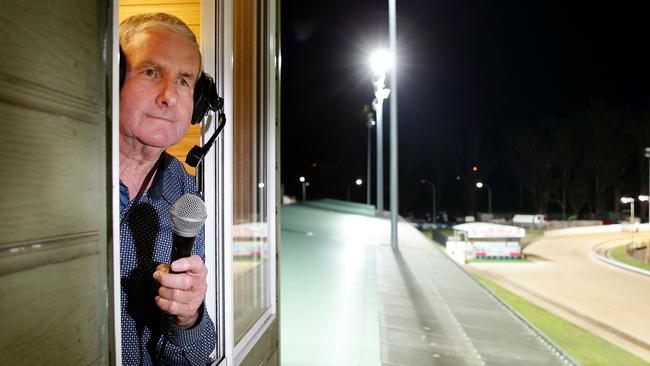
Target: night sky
[(468, 71)]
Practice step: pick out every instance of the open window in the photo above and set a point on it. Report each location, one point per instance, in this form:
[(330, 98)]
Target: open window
[(237, 177), (202, 18)]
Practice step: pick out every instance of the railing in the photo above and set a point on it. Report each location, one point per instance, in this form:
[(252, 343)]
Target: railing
[(601, 252)]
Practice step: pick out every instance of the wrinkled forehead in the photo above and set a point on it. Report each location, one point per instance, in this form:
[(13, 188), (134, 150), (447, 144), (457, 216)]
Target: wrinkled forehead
[(162, 38)]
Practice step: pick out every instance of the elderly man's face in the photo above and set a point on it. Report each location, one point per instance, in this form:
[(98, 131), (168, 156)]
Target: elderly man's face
[(156, 99)]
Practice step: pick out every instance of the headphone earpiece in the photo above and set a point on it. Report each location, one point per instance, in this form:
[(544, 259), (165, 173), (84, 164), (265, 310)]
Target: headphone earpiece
[(206, 97), (122, 67)]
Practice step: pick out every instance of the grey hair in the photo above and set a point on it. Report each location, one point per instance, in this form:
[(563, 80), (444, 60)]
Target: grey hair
[(141, 22)]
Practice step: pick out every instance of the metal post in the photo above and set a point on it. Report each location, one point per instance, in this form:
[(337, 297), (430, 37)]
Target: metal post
[(647, 155), (304, 183), (394, 205), (380, 155), (368, 167)]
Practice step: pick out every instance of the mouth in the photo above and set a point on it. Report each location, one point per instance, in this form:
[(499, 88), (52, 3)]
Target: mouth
[(159, 118)]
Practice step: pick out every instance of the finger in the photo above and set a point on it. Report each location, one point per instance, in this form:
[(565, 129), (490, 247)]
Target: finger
[(163, 267), (185, 297), (181, 281), (174, 307), (192, 264)]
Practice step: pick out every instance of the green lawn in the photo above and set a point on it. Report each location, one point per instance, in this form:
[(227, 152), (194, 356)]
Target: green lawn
[(620, 255), (582, 346)]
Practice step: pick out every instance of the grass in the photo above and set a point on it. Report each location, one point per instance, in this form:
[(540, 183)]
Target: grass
[(583, 346), (620, 254)]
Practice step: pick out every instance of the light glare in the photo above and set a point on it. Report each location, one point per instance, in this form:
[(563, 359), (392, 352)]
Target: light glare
[(381, 61), (627, 199)]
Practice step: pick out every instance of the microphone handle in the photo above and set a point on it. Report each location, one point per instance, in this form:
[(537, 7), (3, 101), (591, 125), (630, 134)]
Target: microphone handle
[(181, 247)]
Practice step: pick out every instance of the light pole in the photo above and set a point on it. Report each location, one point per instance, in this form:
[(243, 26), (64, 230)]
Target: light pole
[(380, 62), (647, 155), (629, 200), (480, 185), (358, 182), (433, 189), (394, 197), (305, 184), (644, 198), (370, 122)]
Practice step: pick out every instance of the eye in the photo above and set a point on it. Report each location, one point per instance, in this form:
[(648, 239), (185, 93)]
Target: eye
[(149, 72), (184, 82)]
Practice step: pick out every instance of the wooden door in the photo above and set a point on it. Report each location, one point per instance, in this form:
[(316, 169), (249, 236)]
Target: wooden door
[(54, 182)]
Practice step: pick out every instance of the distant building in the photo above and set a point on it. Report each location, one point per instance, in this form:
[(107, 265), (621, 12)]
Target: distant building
[(482, 240)]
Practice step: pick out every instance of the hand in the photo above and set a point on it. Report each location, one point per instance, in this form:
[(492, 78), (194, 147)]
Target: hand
[(182, 293)]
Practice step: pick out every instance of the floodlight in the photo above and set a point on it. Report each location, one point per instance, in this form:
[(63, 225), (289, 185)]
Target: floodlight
[(627, 199), (381, 60)]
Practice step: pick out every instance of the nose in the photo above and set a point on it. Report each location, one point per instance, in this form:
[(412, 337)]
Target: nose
[(167, 94)]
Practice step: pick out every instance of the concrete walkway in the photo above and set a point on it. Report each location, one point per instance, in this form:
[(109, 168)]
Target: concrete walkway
[(348, 298)]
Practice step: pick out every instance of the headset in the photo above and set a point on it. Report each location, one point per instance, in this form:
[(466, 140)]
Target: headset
[(206, 99)]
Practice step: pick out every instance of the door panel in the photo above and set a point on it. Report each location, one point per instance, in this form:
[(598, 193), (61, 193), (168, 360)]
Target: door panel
[(54, 182)]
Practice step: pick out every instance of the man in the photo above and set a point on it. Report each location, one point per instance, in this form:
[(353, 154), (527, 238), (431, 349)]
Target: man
[(162, 63)]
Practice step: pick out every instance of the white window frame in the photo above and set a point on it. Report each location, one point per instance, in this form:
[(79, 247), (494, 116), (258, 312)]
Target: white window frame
[(212, 181), (239, 351), (226, 66), (116, 348)]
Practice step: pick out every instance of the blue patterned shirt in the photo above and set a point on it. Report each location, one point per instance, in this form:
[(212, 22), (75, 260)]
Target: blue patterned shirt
[(145, 242)]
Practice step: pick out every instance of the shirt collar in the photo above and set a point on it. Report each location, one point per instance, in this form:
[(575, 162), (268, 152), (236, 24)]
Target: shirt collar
[(156, 189), (166, 184)]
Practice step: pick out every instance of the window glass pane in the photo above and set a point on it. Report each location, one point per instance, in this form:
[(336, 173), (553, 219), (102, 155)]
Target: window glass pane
[(250, 239)]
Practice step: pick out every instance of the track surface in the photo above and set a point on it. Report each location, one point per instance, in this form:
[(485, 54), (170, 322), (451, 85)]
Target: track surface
[(563, 277)]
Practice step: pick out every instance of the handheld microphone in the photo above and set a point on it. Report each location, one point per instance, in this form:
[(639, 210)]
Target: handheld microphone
[(187, 214)]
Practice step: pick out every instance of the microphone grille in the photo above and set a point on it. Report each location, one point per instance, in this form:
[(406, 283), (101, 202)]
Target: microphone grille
[(188, 214)]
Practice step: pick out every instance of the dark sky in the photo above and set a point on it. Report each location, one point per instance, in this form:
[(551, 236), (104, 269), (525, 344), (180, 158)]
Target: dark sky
[(477, 68)]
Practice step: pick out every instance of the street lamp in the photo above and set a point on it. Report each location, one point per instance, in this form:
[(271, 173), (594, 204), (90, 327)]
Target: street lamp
[(370, 122), (433, 188), (644, 198), (630, 200), (647, 155), (480, 185), (358, 182), (305, 184), (380, 62)]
